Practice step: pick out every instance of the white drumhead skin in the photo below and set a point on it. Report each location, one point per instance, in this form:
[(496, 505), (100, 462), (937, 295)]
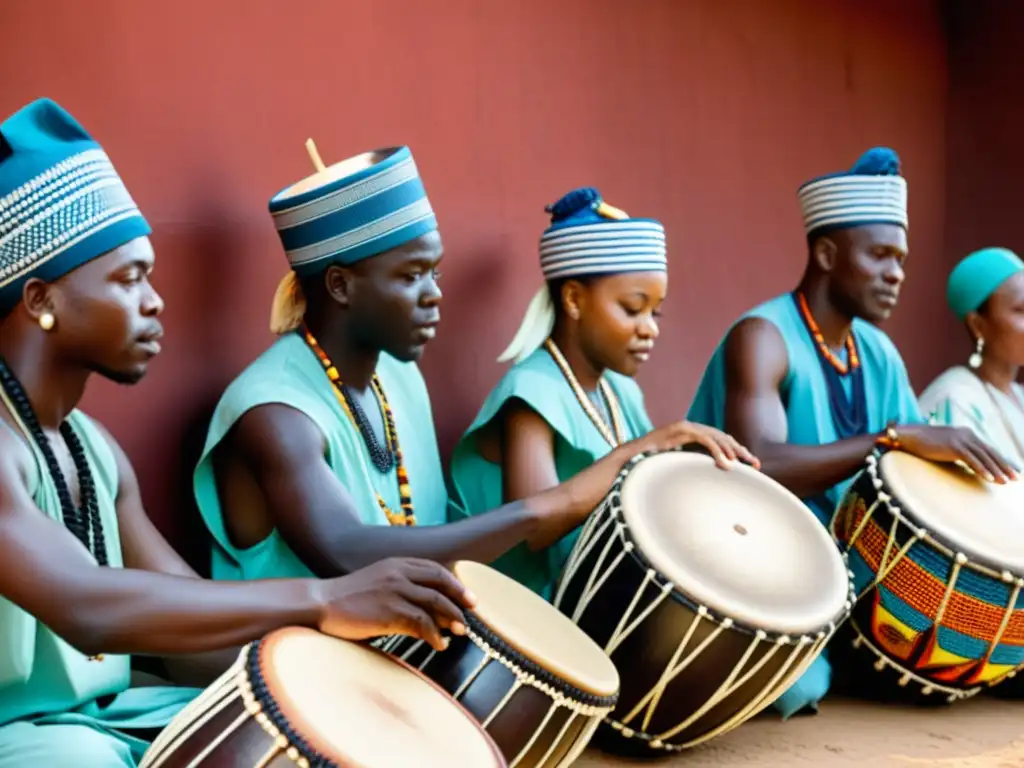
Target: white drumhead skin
[(983, 520), (735, 541), (361, 707), (538, 630)]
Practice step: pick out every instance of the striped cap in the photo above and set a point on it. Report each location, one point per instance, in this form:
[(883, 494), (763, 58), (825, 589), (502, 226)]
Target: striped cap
[(872, 192), (351, 210), (589, 237), (62, 204)]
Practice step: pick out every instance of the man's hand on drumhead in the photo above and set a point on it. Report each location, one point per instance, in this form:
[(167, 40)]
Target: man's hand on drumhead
[(724, 449), (957, 444), (404, 596)]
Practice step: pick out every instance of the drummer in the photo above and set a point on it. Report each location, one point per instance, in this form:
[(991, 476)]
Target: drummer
[(321, 456), (85, 577), (570, 397), (809, 382)]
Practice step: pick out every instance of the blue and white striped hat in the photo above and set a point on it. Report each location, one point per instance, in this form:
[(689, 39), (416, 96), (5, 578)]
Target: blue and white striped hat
[(589, 237), (348, 211), (586, 237), (872, 192), (62, 204)]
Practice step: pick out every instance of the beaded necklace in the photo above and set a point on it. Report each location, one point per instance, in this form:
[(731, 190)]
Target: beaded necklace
[(849, 413), (617, 434), (84, 521), (361, 423), (851, 346)]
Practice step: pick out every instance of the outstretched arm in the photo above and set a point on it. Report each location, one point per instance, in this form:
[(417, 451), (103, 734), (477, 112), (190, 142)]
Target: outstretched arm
[(47, 572), (756, 363)]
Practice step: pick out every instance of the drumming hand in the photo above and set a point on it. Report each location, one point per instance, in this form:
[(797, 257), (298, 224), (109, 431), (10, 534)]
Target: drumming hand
[(952, 444), (403, 596), (723, 448)]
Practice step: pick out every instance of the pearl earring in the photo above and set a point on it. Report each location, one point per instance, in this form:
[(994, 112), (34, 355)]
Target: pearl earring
[(47, 321), (975, 360)]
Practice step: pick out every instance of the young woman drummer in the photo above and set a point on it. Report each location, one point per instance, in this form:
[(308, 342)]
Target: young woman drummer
[(570, 397)]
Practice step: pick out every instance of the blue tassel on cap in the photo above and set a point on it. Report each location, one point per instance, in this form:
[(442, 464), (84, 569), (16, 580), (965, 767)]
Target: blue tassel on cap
[(878, 161)]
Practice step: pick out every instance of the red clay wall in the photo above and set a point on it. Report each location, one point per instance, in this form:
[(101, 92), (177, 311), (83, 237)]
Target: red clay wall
[(705, 114)]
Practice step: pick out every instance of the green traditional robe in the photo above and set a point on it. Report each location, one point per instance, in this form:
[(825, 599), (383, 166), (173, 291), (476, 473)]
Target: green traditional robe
[(289, 373), (57, 708), (477, 483)]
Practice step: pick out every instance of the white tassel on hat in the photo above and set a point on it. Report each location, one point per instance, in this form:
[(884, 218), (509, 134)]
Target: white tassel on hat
[(537, 325)]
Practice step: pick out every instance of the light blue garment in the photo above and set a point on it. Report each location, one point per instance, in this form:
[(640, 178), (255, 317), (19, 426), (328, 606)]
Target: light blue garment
[(477, 484), (290, 373), (890, 398), (48, 689)]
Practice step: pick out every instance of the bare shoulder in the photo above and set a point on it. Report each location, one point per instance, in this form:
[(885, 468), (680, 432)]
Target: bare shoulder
[(275, 432), (755, 350)]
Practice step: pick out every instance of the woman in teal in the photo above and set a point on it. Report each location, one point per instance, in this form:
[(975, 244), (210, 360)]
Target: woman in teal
[(986, 293), (570, 398)]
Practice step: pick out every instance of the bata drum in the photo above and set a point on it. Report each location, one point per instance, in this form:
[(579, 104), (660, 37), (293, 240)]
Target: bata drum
[(711, 591), (937, 556), (537, 684), (298, 697)]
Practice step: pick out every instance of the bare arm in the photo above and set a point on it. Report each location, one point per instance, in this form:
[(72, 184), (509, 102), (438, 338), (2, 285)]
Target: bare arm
[(284, 451), (144, 548), (756, 363), (46, 571)]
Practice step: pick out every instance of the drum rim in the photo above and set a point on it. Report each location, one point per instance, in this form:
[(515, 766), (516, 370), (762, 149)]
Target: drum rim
[(614, 505), (494, 646), (905, 516), (258, 700)]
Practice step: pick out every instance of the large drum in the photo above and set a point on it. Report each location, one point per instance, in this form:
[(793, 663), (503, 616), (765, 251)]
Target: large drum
[(301, 698), (937, 557), (712, 592), (534, 680)]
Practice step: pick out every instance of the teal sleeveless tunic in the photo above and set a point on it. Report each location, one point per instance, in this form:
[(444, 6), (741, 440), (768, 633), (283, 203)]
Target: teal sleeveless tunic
[(49, 714), (890, 397), (476, 483), (289, 373)]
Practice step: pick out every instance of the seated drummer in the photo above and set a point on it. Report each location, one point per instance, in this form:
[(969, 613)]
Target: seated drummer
[(570, 398), (986, 293), (808, 381), (322, 455), (85, 578)]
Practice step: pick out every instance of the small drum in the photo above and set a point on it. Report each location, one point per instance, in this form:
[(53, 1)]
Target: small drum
[(712, 592), (298, 697), (537, 684), (937, 557)]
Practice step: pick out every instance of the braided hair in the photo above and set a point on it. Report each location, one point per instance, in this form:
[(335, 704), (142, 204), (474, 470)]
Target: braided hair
[(85, 523)]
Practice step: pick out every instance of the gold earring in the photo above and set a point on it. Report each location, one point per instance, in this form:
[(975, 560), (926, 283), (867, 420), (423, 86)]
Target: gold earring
[(47, 321)]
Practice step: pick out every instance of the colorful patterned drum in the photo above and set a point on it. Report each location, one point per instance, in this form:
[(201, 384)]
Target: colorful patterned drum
[(712, 592), (938, 559), (300, 698)]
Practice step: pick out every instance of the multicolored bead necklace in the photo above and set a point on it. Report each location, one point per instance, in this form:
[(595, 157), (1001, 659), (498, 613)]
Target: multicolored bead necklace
[(351, 408), (617, 434), (851, 346)]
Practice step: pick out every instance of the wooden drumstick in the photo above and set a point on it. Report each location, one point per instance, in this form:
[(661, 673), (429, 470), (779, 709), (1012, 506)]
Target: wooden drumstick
[(314, 156)]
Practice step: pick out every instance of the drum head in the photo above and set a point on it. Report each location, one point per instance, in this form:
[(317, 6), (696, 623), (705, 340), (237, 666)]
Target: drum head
[(358, 706), (538, 630), (983, 520), (735, 541)]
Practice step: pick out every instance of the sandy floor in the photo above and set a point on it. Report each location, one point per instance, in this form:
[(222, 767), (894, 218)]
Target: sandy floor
[(979, 733)]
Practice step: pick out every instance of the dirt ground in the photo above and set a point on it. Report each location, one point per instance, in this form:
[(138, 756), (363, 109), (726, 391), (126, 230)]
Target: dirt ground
[(978, 733)]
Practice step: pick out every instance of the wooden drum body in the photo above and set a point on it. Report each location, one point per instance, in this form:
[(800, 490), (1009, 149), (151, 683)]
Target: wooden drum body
[(300, 698), (711, 591), (536, 683), (937, 557)]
